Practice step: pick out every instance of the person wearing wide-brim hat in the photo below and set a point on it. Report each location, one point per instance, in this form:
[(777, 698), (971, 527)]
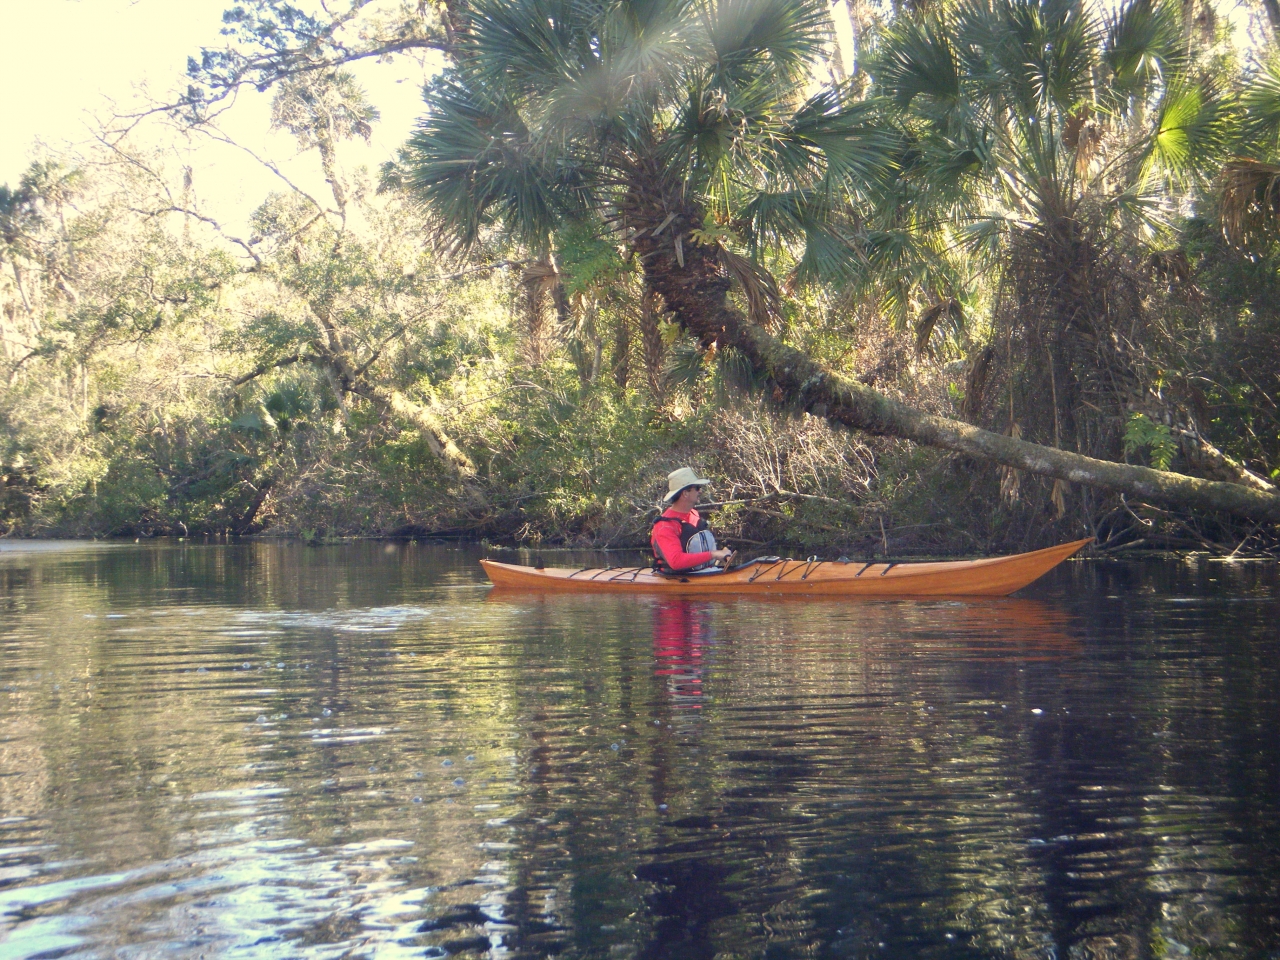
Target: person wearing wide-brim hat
[(680, 538)]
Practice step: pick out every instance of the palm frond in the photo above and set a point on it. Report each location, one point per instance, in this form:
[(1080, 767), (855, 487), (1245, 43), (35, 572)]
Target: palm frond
[(1192, 132), (917, 60), (847, 144), (775, 219), (942, 166), (744, 36), (650, 40), (1043, 59), (829, 257), (985, 237), (627, 53), (706, 129), (472, 160), (685, 363), (1260, 104), (525, 47), (1142, 45), (1249, 200), (764, 299), (946, 313), (736, 371)]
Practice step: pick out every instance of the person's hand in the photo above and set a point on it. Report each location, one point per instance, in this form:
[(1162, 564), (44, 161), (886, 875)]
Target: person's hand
[(724, 553)]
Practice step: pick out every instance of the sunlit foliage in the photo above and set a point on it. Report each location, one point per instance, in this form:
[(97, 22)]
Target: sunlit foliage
[(1039, 216)]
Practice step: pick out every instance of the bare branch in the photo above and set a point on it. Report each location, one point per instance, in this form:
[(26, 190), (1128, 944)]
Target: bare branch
[(498, 265), (203, 219), (217, 135), (17, 366), (377, 352), (262, 368), (292, 52), (133, 161)]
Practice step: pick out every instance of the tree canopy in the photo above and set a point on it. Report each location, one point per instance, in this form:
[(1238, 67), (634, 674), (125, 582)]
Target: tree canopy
[(1039, 236)]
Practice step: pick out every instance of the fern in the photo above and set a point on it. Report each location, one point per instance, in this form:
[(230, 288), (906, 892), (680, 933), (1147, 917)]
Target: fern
[(1142, 433)]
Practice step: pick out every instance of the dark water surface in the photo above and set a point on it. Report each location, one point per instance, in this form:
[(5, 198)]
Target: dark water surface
[(270, 750)]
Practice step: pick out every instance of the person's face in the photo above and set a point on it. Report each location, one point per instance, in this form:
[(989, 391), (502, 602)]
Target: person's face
[(688, 498)]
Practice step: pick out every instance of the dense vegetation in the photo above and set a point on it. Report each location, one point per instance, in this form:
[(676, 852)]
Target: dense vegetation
[(619, 241)]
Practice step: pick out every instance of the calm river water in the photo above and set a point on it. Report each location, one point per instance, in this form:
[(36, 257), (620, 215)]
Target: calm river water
[(272, 750)]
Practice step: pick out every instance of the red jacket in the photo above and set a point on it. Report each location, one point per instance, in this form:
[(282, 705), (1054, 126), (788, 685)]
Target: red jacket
[(667, 537)]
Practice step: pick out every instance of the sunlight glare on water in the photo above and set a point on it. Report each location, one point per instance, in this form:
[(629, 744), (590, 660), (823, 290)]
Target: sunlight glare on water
[(270, 750)]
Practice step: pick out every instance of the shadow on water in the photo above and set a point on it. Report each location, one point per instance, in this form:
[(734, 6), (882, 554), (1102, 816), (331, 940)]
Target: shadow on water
[(268, 750)]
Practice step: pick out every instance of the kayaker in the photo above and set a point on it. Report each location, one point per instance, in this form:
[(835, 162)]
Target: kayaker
[(680, 538)]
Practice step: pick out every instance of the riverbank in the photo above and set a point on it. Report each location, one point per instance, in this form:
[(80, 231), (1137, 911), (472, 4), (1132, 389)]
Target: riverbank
[(619, 554), (587, 472)]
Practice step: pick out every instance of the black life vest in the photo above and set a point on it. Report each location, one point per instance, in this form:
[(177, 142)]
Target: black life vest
[(687, 532)]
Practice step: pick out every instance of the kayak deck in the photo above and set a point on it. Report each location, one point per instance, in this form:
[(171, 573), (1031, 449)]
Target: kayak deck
[(988, 577)]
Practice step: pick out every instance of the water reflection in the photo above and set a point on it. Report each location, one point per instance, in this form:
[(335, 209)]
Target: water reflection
[(682, 639), (276, 751)]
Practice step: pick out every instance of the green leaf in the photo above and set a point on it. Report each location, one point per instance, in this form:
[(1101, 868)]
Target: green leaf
[(1143, 434)]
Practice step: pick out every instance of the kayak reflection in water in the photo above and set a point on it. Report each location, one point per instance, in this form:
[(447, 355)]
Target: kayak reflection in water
[(682, 635), (680, 538)]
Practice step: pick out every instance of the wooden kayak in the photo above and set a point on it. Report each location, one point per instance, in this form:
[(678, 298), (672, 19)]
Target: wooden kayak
[(989, 577)]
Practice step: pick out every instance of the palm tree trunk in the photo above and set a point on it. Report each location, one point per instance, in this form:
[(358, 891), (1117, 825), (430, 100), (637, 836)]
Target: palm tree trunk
[(540, 280), (1272, 7), (652, 345), (689, 279), (622, 350)]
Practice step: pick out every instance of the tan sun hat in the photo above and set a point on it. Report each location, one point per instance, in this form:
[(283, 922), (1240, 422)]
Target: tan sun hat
[(677, 480)]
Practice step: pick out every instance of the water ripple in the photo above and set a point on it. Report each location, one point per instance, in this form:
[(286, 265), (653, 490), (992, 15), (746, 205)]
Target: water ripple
[(266, 751)]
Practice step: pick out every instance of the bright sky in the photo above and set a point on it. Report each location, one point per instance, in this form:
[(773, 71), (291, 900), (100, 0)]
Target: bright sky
[(62, 61)]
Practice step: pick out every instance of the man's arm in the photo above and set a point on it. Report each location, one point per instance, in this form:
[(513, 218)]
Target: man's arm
[(667, 539)]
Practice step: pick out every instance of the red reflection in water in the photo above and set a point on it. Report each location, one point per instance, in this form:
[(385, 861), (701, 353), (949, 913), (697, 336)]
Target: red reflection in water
[(682, 633)]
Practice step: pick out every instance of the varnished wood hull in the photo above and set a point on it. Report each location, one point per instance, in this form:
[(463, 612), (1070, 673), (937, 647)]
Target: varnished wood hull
[(990, 577)]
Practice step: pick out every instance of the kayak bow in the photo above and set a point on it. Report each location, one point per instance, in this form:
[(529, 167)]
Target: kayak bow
[(989, 577)]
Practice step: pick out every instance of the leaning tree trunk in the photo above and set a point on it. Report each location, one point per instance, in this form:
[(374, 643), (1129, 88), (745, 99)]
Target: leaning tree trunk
[(348, 380), (689, 279), (425, 419)]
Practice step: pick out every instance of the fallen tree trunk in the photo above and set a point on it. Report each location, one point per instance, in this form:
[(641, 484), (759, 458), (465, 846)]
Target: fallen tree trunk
[(1212, 462), (820, 392), (689, 278)]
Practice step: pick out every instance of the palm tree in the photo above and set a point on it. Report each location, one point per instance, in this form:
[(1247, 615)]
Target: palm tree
[(50, 186), (1250, 185), (675, 120), (46, 187), (693, 131), (1050, 147)]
